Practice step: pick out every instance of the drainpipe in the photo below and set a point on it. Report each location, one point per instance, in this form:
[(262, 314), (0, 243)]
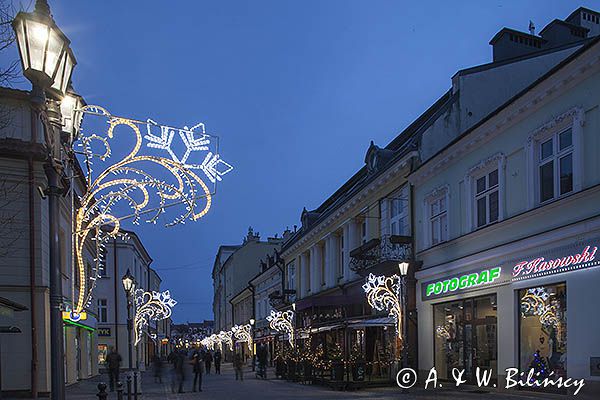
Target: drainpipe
[(32, 308)]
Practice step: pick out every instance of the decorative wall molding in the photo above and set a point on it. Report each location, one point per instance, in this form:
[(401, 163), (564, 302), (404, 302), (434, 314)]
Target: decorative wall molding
[(572, 116)]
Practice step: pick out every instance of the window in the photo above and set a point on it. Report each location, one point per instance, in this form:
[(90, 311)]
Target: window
[(543, 330), (363, 230), (556, 166), (291, 276), (438, 220), (340, 264), (322, 265), (102, 270), (466, 336), (307, 274), (486, 198), (102, 310), (399, 218)]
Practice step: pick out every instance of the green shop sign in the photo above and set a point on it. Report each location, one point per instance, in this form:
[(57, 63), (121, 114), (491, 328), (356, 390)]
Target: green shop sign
[(471, 280)]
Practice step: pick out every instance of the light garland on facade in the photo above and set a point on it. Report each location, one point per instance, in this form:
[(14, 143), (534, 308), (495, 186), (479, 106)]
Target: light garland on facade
[(383, 294), (125, 181), (243, 333), (150, 306), (283, 322)]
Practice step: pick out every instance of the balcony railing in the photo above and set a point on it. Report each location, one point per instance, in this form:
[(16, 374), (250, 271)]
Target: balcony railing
[(388, 248)]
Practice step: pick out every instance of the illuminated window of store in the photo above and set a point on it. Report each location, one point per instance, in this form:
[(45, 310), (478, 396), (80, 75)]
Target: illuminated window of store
[(543, 330), (102, 353), (465, 336)]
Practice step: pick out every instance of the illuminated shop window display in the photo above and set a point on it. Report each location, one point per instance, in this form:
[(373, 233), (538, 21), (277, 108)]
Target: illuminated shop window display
[(543, 330), (466, 336)]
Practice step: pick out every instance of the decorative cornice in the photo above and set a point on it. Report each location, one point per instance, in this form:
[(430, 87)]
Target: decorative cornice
[(574, 114), (437, 192), (493, 159)]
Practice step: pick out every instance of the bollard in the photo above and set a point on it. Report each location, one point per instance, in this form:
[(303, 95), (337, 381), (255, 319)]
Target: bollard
[(135, 385), (119, 390), (102, 395), (128, 387)]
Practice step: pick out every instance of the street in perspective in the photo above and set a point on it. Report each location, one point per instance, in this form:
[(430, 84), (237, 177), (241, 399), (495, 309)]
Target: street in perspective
[(305, 200)]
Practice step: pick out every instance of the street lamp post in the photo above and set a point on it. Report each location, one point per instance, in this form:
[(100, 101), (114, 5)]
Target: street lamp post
[(47, 63), (403, 267), (129, 286), (252, 321)]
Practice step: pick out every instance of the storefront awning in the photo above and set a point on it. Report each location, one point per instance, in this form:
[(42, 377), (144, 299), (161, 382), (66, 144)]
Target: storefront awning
[(366, 323), (326, 328)]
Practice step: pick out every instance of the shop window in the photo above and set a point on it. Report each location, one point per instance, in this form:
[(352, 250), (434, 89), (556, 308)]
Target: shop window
[(102, 353), (543, 330), (466, 336)]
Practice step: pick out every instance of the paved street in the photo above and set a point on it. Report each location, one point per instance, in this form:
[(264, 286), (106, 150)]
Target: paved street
[(217, 387)]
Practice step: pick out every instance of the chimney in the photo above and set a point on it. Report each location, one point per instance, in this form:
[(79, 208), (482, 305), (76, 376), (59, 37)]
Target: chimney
[(586, 18), (509, 43)]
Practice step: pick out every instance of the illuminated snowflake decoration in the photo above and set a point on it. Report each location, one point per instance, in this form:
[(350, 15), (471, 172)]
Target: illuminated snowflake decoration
[(534, 301), (442, 332), (227, 337), (383, 294), (212, 342), (243, 333), (150, 306), (283, 322), (128, 181)]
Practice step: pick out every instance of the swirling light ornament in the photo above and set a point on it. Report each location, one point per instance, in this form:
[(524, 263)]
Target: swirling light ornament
[(243, 333), (534, 301), (227, 337), (127, 181), (150, 306), (383, 294), (283, 322)]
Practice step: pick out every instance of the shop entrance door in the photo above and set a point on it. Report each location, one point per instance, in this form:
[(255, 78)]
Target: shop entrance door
[(465, 337)]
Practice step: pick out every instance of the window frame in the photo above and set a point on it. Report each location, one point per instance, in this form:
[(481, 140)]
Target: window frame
[(573, 119), (402, 198), (101, 308), (496, 161), (435, 195)]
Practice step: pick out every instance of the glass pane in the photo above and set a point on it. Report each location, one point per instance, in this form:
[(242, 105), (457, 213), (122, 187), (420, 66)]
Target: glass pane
[(394, 228), (435, 235), (565, 139), (546, 149), (55, 45), (435, 207), (493, 199), (394, 208), (543, 330), (547, 181), (566, 174), (449, 338), (481, 212), (480, 184), (443, 228), (37, 36), (442, 204), (493, 178)]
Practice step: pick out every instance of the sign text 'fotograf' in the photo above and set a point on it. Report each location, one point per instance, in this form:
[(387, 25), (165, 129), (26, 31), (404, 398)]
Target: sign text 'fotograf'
[(466, 281)]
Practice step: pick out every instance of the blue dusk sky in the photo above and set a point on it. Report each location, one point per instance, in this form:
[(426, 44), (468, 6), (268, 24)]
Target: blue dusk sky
[(296, 90)]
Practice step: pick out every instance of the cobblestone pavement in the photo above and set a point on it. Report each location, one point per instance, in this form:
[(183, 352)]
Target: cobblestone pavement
[(225, 387)]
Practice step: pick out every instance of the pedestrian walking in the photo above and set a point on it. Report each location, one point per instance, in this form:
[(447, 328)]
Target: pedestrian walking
[(208, 361), (217, 359), (113, 363), (238, 365), (179, 371), (158, 366), (197, 368)]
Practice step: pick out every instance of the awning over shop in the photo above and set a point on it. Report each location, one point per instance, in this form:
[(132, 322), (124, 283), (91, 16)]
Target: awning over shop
[(326, 328), (366, 323)]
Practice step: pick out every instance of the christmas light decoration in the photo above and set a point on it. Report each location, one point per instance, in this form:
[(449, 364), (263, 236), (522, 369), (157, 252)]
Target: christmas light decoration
[(243, 333), (442, 332), (128, 182), (150, 306), (283, 322), (227, 337), (534, 301), (383, 294)]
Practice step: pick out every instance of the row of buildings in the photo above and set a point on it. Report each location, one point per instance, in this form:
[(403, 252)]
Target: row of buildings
[(491, 196), (25, 275)]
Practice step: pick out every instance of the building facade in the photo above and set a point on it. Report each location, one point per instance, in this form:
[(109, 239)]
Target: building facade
[(516, 253)]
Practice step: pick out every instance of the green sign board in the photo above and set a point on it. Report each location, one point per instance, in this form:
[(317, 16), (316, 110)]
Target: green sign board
[(455, 284)]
